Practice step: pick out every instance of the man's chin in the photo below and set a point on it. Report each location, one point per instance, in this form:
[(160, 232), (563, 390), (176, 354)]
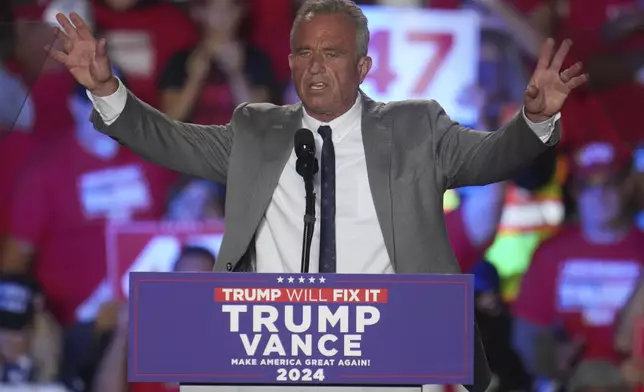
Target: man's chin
[(318, 105)]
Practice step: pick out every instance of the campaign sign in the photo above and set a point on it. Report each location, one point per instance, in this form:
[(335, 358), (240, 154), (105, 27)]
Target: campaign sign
[(424, 54), (306, 329), (153, 246)]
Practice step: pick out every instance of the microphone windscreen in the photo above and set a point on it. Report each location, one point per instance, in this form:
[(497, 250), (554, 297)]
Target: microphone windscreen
[(304, 142)]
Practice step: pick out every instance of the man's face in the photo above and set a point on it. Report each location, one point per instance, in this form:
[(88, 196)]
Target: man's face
[(324, 65), (600, 200)]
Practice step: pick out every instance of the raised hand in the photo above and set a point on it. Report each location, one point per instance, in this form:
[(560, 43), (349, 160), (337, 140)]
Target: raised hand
[(548, 87), (84, 56), (230, 57)]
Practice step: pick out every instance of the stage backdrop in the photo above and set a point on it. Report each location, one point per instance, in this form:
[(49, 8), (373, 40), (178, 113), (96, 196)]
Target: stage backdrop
[(153, 247), (429, 54)]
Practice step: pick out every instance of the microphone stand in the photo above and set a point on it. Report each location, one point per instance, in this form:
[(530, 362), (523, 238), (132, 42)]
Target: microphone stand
[(309, 224), (307, 166)]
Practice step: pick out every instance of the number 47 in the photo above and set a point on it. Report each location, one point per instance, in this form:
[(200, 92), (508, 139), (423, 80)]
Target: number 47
[(382, 73)]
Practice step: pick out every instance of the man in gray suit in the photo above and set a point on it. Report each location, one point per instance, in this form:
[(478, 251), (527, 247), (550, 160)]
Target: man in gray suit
[(390, 163)]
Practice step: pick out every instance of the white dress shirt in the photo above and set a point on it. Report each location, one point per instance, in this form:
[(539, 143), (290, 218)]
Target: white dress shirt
[(360, 245)]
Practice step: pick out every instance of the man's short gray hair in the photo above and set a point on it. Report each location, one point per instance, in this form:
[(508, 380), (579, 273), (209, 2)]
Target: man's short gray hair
[(328, 7)]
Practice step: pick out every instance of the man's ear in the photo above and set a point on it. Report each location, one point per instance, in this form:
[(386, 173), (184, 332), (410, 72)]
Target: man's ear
[(290, 61), (364, 66)]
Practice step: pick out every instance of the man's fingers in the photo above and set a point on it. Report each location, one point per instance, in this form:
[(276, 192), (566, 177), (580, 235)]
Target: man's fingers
[(571, 72), (70, 30), (101, 48), (561, 54), (577, 81), (81, 27), (56, 54), (62, 37), (546, 54)]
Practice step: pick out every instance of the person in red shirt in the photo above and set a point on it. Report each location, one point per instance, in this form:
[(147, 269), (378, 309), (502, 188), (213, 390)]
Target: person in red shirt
[(205, 84), (270, 29), (30, 115), (142, 35), (62, 204), (580, 277)]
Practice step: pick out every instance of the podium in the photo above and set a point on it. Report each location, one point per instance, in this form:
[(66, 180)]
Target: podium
[(271, 332)]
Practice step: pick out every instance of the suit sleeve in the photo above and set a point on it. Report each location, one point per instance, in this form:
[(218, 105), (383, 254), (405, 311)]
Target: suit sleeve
[(196, 150), (467, 157)]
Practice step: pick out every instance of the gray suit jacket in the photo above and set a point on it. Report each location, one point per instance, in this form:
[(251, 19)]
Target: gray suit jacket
[(414, 152)]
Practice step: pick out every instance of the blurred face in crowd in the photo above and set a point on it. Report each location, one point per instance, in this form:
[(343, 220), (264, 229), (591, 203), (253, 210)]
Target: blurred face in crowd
[(325, 67), (600, 200), (121, 5), (194, 262), (101, 145), (220, 16)]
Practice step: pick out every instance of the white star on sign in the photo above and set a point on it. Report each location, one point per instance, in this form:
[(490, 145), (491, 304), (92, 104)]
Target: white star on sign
[(280, 280), (322, 280), (290, 279), (301, 279), (311, 280)]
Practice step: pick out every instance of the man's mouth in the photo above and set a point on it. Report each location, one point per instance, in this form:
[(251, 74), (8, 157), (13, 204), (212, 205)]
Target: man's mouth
[(317, 86)]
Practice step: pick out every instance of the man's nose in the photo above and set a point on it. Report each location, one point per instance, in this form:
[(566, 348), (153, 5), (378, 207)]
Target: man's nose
[(316, 65)]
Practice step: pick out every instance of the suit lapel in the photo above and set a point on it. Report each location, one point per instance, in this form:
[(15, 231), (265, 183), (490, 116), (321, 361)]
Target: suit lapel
[(377, 138), (276, 148)]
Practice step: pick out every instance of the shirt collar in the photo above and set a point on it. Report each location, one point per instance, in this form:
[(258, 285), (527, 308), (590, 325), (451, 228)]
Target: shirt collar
[(340, 126)]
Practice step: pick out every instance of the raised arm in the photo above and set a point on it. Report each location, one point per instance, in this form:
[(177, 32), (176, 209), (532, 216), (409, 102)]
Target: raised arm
[(191, 149), (195, 150), (468, 157)]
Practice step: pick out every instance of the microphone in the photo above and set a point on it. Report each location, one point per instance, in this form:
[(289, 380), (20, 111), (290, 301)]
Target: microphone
[(306, 166)]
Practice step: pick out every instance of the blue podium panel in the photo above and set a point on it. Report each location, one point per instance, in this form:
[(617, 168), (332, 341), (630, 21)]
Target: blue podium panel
[(316, 329)]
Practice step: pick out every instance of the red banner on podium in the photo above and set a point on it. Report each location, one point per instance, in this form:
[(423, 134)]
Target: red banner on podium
[(153, 246)]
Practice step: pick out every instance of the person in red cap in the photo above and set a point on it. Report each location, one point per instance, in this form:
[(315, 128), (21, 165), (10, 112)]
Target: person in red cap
[(582, 276)]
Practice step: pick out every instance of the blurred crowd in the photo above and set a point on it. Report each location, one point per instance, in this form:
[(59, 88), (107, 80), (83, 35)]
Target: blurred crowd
[(557, 253)]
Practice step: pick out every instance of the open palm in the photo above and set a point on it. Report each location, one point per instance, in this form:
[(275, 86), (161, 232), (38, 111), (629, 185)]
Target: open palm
[(548, 87), (84, 56)]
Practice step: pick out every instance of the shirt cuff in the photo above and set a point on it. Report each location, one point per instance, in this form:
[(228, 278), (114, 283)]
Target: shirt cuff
[(110, 107), (543, 129)]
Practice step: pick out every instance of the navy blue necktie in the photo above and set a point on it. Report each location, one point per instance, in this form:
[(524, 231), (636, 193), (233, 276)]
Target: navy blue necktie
[(327, 210)]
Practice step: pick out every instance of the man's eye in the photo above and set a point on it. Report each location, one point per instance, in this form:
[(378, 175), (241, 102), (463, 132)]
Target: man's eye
[(305, 54), (331, 55)]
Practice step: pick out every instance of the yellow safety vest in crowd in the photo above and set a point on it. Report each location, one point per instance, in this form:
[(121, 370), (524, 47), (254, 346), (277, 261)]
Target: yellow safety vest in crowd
[(527, 219)]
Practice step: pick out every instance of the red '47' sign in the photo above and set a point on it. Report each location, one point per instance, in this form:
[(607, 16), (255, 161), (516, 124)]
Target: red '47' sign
[(153, 247), (426, 54)]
